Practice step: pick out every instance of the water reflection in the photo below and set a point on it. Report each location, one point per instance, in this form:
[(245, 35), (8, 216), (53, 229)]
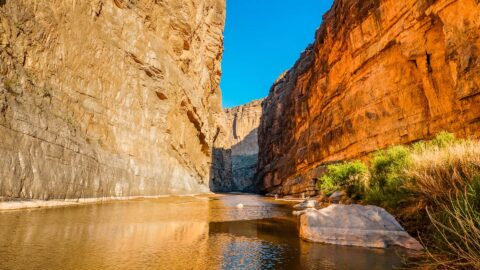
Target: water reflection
[(172, 233)]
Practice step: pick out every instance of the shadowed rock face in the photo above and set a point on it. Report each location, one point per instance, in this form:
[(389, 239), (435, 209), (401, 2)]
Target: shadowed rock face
[(108, 98), (236, 150), (380, 72)]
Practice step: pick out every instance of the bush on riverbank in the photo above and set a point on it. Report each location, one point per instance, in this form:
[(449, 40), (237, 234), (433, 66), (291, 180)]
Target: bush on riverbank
[(348, 176), (432, 187), (388, 176)]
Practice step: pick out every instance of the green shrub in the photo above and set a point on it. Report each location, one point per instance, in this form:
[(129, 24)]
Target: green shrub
[(420, 146), (10, 85), (388, 167), (443, 139), (345, 176), (388, 177)]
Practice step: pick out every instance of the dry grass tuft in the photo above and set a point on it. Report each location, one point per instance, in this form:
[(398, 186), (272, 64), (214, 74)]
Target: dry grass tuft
[(458, 234), (447, 180), (438, 172)]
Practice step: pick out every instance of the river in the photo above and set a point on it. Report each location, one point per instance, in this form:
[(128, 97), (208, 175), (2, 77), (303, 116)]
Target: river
[(198, 232)]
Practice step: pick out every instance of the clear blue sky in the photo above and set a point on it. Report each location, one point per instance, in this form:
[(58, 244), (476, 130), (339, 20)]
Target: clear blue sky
[(263, 38)]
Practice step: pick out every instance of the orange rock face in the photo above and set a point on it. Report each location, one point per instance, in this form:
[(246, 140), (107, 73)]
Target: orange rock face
[(381, 72)]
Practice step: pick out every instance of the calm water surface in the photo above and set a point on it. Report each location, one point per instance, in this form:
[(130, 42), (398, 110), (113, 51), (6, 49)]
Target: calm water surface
[(173, 233)]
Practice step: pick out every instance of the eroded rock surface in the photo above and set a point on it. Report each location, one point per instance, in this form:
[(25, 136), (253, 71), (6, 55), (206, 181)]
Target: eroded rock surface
[(355, 225), (380, 72), (236, 150), (108, 97)]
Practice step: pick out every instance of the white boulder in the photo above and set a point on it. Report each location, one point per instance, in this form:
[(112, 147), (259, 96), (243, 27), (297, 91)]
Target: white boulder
[(355, 225)]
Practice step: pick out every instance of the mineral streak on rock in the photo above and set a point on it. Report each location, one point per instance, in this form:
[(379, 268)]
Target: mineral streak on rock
[(108, 97), (236, 150), (380, 72)]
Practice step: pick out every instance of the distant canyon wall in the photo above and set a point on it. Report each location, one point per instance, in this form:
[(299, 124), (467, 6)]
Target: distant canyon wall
[(236, 150), (108, 97), (380, 72)]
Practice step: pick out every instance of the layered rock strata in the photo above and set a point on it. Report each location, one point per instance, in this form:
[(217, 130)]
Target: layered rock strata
[(108, 97), (236, 150), (380, 72)]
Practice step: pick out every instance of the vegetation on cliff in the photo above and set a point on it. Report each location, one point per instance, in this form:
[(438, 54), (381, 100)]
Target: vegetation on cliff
[(432, 187)]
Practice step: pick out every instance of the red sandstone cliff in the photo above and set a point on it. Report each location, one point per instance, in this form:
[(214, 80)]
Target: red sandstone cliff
[(380, 72)]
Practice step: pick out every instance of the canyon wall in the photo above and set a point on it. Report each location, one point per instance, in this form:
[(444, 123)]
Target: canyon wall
[(108, 97), (236, 150), (380, 72)]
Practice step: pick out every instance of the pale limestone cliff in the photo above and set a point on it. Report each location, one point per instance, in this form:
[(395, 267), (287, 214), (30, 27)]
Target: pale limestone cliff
[(108, 97), (236, 149), (380, 72)]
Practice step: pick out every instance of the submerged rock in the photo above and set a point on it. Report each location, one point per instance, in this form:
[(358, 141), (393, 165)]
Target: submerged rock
[(355, 225)]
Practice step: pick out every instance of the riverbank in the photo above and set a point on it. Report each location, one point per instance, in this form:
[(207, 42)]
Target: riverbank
[(431, 187), (7, 204)]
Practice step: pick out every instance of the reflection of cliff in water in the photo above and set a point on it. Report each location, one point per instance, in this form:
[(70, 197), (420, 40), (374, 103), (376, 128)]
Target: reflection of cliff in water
[(121, 235), (172, 233)]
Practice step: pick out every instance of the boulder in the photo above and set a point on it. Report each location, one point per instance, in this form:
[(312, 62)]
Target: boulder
[(306, 204), (320, 198), (337, 196), (355, 225)]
